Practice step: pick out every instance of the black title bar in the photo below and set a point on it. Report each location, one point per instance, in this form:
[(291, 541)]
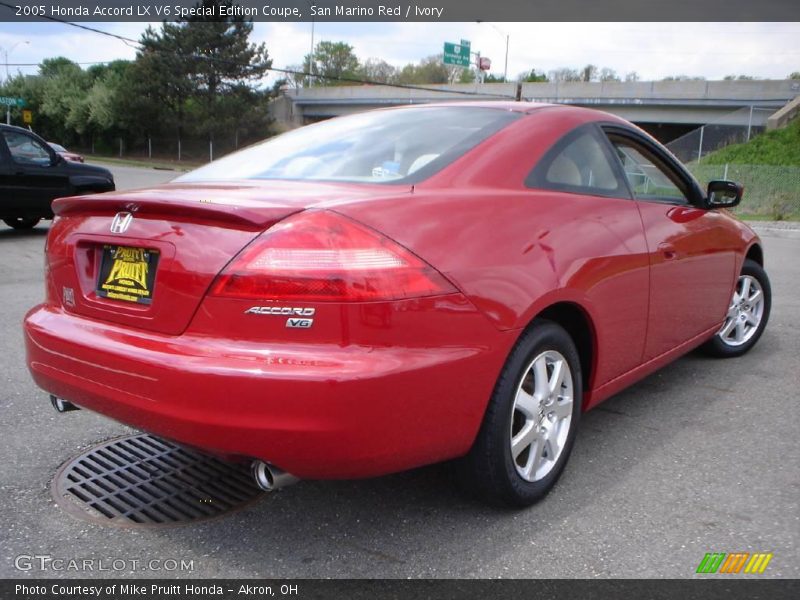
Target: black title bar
[(416, 10)]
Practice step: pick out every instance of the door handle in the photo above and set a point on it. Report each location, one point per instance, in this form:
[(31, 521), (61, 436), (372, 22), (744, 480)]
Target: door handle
[(668, 251)]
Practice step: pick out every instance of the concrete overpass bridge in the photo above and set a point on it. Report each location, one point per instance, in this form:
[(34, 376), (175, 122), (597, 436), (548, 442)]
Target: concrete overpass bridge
[(667, 109)]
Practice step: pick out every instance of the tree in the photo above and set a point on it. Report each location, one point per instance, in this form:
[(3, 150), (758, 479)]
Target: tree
[(589, 73), (607, 74), (220, 59), (333, 61), (64, 98), (564, 74), (428, 70), (532, 76), (794, 75), (296, 79), (375, 69), (683, 78), (632, 76)]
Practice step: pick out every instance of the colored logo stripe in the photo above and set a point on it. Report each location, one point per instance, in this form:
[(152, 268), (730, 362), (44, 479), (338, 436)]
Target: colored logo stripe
[(758, 563), (711, 562), (734, 562), (721, 562)]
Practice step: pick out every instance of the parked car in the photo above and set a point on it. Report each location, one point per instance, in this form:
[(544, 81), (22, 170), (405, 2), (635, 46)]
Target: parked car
[(395, 288), (66, 154), (32, 175)]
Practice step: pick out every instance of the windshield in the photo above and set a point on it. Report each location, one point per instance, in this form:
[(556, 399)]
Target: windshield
[(57, 147), (397, 146)]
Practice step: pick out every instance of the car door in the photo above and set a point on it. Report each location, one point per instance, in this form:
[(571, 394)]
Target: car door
[(597, 231), (33, 177), (691, 265)]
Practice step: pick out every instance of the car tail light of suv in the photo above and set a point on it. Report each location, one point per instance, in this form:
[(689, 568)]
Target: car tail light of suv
[(323, 256)]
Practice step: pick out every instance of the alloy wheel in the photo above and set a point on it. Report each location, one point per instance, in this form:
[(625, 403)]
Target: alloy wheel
[(541, 416), (745, 312)]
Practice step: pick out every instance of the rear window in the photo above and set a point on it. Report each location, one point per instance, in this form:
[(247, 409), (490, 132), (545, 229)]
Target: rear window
[(392, 146)]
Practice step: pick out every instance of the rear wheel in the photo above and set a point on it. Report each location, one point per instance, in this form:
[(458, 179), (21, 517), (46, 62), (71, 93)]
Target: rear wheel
[(530, 424), (747, 314), (22, 222)]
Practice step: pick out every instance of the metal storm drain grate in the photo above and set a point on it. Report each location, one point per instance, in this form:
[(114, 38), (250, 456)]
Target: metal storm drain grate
[(140, 480)]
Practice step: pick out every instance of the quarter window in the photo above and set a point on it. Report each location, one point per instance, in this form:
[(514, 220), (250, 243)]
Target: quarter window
[(581, 164)]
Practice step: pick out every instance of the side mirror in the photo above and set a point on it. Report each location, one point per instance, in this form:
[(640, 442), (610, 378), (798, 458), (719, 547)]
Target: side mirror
[(723, 194)]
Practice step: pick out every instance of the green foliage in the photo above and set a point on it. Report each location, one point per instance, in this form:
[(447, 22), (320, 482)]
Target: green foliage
[(428, 70), (533, 77), (777, 147), (190, 78), (333, 61), (375, 69)]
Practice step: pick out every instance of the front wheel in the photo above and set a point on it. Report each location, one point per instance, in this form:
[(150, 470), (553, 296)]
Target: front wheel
[(22, 222), (530, 424), (747, 314)]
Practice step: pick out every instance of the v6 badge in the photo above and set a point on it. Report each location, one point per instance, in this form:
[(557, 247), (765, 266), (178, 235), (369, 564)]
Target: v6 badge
[(299, 323)]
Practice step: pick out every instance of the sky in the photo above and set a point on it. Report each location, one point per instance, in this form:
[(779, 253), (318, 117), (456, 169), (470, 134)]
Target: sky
[(653, 50)]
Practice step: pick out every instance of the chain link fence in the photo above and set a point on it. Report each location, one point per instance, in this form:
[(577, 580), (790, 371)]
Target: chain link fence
[(736, 127), (770, 191), (192, 149)]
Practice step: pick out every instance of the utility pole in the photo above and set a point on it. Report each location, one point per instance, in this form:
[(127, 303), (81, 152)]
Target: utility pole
[(6, 52), (507, 36)]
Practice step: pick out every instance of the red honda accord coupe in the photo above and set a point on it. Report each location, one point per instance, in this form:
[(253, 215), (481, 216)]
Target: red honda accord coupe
[(396, 288)]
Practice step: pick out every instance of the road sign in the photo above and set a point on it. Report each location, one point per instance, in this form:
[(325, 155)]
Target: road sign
[(456, 54), (27, 117), (484, 64), (9, 101)]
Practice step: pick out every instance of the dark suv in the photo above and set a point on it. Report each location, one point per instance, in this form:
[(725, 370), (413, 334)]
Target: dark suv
[(32, 175)]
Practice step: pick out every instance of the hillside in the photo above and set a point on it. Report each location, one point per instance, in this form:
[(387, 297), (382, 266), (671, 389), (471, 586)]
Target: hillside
[(778, 147)]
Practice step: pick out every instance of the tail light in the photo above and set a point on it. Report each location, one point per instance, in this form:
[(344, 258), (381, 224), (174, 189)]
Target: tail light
[(323, 256)]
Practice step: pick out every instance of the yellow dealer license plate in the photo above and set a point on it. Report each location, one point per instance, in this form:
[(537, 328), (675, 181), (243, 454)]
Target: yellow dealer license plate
[(127, 274)]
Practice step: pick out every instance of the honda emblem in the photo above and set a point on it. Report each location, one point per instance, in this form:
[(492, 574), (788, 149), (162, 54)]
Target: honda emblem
[(121, 222)]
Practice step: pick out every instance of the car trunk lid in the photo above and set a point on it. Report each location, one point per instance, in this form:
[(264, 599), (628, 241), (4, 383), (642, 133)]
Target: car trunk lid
[(154, 268)]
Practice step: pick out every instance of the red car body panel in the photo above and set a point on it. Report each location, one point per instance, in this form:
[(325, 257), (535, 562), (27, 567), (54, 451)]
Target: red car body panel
[(375, 387)]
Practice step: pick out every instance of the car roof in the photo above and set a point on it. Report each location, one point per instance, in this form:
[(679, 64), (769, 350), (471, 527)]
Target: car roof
[(519, 107)]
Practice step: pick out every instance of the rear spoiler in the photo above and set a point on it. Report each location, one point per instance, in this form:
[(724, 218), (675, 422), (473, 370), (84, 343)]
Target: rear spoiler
[(247, 213)]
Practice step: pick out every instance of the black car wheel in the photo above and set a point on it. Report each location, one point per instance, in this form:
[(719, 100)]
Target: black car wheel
[(22, 222), (530, 424)]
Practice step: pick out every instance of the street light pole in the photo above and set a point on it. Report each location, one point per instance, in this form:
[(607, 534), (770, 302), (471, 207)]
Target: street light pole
[(505, 69), (507, 36), (6, 52)]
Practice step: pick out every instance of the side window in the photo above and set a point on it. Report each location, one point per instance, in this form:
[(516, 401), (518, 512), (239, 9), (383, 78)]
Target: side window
[(25, 150), (578, 163), (647, 177)]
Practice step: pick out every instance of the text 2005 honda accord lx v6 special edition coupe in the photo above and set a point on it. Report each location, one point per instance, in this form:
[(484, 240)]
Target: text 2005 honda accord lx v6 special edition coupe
[(395, 288)]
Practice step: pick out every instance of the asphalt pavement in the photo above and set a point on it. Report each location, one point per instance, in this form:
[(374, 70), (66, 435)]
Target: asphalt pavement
[(699, 457)]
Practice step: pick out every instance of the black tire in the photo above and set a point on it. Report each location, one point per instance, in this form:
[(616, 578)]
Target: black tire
[(22, 222), (720, 345), (489, 470)]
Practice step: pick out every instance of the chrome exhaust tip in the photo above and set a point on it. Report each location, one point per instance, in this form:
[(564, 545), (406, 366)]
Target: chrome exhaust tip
[(270, 478), (62, 405)]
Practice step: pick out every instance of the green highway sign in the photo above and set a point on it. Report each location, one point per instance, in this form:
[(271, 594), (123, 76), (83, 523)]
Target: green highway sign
[(9, 101), (457, 54)]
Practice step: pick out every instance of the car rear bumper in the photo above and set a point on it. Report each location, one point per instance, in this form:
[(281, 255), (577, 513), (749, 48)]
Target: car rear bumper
[(314, 410)]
